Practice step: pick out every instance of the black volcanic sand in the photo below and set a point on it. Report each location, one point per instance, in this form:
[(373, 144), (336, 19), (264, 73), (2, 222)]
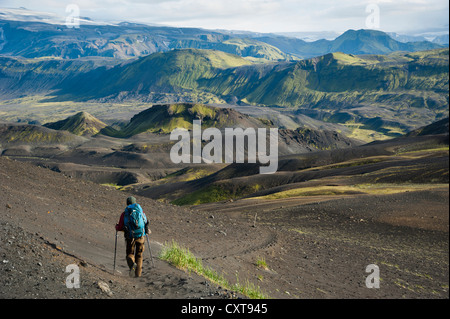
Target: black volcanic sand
[(49, 221), (314, 248)]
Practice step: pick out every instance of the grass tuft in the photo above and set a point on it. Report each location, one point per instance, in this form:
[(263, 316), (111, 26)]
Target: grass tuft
[(183, 259), (261, 263)]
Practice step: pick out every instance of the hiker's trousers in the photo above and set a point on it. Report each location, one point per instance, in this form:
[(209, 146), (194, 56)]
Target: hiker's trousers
[(135, 251)]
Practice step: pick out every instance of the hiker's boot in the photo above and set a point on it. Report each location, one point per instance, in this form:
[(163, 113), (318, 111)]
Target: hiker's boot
[(133, 270)]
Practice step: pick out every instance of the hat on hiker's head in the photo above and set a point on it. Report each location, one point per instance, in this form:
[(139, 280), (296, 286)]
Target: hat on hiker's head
[(131, 200)]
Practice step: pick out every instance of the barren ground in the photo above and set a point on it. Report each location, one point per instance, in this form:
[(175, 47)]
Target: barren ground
[(314, 248)]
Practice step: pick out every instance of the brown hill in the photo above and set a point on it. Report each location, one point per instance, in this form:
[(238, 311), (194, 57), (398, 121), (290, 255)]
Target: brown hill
[(439, 127), (370, 163), (81, 123)]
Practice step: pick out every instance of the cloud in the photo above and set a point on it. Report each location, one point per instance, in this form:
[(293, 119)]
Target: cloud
[(257, 15)]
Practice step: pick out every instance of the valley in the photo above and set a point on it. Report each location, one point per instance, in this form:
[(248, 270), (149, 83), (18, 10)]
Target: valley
[(361, 178), (386, 97), (315, 229)]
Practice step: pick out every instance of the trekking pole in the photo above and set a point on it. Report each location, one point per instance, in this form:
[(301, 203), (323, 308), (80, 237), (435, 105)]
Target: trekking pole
[(150, 250), (115, 249)]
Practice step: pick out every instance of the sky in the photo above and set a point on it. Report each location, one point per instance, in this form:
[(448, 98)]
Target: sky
[(401, 16)]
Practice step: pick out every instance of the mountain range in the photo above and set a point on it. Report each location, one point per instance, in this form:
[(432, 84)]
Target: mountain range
[(361, 80), (309, 83), (391, 94), (381, 92), (33, 38)]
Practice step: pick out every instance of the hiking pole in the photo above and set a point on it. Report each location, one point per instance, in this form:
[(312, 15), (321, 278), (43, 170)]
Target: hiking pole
[(115, 250), (150, 250)]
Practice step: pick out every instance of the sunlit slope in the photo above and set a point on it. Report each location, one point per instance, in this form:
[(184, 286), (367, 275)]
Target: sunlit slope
[(81, 123), (331, 81), (165, 118), (176, 71), (337, 79)]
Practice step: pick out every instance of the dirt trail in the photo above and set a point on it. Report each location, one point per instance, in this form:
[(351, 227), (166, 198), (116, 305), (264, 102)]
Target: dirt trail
[(63, 221), (251, 205)]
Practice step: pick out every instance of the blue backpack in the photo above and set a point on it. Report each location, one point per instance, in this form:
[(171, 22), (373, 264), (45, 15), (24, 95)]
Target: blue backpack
[(134, 221)]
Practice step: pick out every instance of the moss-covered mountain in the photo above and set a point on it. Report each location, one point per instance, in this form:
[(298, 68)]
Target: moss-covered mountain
[(388, 94), (20, 77), (384, 94), (174, 72), (31, 135), (81, 124), (165, 118), (406, 79), (337, 79)]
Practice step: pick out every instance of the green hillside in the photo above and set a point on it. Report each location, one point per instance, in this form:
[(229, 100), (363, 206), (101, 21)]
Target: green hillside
[(376, 95), (417, 79), (172, 72), (20, 77), (384, 95), (338, 79), (19, 134), (165, 118)]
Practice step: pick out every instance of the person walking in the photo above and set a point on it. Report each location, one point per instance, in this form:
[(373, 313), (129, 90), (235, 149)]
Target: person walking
[(133, 222)]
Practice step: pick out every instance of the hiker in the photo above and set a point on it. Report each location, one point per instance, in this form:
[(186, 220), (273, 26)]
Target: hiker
[(134, 224)]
